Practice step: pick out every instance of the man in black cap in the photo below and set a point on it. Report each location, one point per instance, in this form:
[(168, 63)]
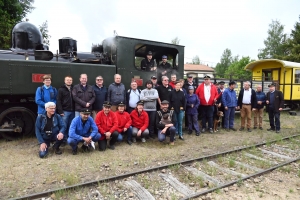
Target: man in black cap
[(83, 129), (147, 64), (154, 81), (164, 69), (165, 129), (275, 104), (189, 82)]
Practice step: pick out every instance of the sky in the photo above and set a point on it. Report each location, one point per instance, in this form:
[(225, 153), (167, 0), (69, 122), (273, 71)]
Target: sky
[(205, 28)]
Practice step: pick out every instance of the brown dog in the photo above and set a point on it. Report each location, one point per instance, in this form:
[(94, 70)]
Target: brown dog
[(217, 119)]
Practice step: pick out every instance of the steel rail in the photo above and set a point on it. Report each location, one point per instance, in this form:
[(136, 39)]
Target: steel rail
[(241, 179), (122, 176)]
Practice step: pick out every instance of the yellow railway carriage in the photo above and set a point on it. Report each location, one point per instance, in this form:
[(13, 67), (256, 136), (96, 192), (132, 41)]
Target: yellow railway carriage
[(285, 74)]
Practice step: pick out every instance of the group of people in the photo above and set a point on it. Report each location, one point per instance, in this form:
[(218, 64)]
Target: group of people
[(92, 114)]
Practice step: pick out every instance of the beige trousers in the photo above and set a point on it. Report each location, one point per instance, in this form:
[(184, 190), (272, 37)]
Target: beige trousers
[(258, 114), (246, 113)]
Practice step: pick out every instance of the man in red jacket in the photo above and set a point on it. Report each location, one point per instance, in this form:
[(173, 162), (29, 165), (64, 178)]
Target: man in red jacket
[(208, 95), (140, 121), (107, 124), (124, 123)]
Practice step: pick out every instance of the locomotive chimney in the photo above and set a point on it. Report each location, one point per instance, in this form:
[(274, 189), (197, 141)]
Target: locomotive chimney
[(67, 46)]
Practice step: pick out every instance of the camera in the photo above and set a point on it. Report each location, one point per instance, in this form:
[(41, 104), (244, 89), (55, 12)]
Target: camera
[(48, 133)]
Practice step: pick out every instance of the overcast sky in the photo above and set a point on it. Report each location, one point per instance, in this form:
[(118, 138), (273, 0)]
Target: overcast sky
[(204, 27)]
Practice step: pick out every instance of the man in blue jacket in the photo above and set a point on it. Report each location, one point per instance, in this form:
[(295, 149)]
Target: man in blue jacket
[(101, 95), (258, 113), (230, 104), (44, 94), (192, 105), (49, 127), (83, 129)]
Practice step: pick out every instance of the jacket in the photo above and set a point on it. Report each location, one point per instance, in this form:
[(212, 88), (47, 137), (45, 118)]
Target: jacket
[(64, 100), (44, 95), (253, 98), (192, 99), (260, 96), (177, 100), (81, 97), (106, 123), (220, 97), (158, 118), (213, 95), (229, 98), (150, 99), (40, 123), (128, 97), (101, 96), (116, 93), (124, 121), (278, 101), (139, 121), (186, 86), (78, 130)]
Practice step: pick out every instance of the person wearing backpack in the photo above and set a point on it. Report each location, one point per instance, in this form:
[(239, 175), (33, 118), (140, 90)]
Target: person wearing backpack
[(165, 129), (44, 94)]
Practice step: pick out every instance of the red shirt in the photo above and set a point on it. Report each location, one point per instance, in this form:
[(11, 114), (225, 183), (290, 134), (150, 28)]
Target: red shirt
[(213, 95), (139, 121), (124, 121), (106, 123), (172, 84)]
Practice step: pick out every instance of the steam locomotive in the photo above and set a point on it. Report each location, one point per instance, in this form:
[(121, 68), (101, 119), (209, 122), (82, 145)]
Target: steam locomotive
[(28, 60)]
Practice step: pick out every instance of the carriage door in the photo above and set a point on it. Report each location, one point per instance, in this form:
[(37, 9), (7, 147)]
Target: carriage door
[(275, 76)]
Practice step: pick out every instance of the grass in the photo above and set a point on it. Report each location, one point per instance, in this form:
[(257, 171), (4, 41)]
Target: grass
[(231, 163)]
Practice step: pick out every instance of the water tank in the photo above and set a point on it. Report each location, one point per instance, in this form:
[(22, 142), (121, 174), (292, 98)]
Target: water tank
[(67, 45), (26, 36)]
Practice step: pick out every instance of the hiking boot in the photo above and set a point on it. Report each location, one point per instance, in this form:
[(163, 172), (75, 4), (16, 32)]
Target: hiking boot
[(129, 142), (58, 151), (249, 130), (270, 129), (112, 147), (198, 134), (241, 129), (143, 140), (134, 140), (74, 151)]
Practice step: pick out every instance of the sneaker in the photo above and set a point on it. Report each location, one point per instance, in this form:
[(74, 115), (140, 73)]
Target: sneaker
[(261, 128), (143, 140), (233, 129), (241, 129), (270, 129), (203, 130), (134, 140), (254, 127), (129, 142), (210, 130), (198, 134), (58, 151), (74, 151), (277, 131), (112, 147), (249, 130), (181, 137)]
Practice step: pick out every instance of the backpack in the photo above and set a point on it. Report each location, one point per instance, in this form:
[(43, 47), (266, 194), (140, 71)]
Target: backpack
[(160, 114), (42, 92)]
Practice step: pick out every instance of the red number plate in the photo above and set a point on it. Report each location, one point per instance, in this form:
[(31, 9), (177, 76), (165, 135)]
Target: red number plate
[(38, 78)]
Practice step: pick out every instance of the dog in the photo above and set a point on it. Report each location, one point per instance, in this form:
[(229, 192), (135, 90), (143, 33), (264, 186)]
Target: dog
[(217, 119)]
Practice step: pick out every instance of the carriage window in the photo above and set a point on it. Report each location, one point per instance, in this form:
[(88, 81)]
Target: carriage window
[(297, 75), (141, 61)]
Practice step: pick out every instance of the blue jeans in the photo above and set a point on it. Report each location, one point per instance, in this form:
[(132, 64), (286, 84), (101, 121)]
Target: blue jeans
[(67, 118), (207, 116), (74, 142), (128, 133), (192, 120), (273, 115), (57, 144), (170, 131), (229, 117), (77, 113), (179, 118)]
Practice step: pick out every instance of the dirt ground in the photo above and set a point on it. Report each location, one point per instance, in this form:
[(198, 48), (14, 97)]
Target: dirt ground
[(23, 172)]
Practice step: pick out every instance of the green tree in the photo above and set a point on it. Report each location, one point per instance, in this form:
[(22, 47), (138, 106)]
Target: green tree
[(175, 41), (274, 44), (236, 69), (293, 45), (225, 62), (45, 32), (196, 60), (12, 12)]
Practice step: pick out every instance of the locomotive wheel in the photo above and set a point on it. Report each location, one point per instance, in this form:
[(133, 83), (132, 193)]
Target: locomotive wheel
[(21, 117)]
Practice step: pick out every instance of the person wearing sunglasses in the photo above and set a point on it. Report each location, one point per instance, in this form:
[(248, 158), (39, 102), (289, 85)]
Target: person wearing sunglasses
[(101, 95)]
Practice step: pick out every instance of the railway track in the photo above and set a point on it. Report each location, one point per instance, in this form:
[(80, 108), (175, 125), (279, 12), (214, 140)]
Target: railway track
[(196, 177)]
